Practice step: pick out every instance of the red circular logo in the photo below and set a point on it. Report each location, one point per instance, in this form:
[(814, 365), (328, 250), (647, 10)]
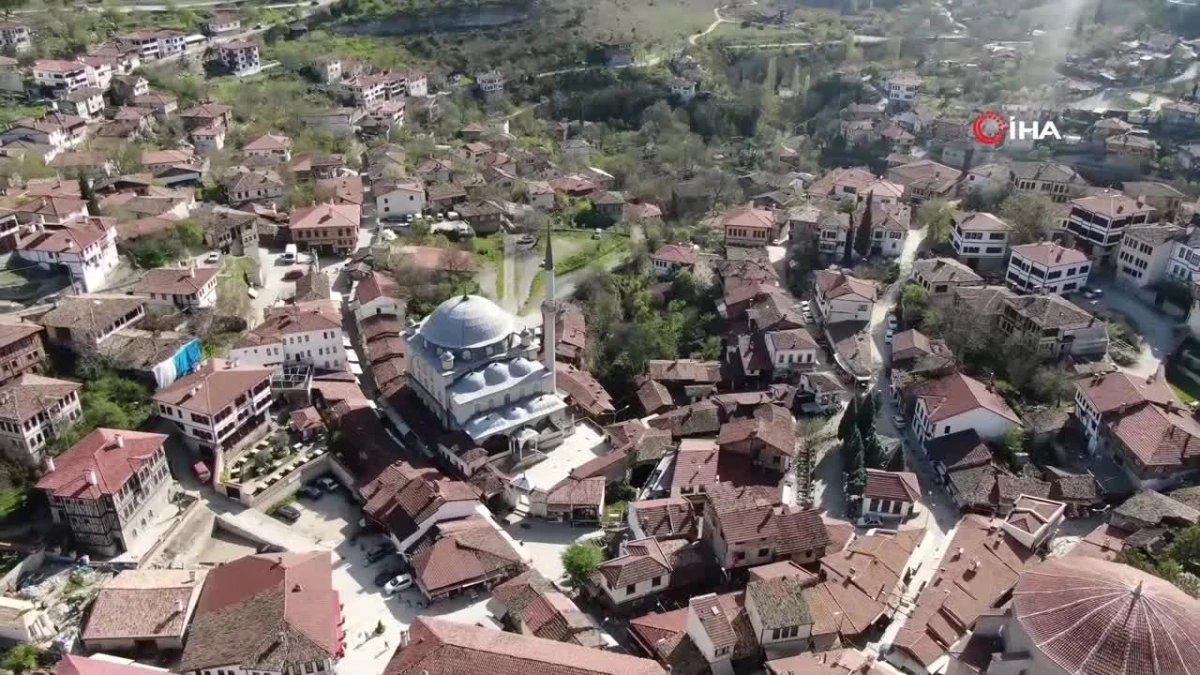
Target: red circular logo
[(989, 128)]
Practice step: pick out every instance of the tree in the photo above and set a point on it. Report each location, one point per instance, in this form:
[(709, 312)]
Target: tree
[(873, 451), (22, 658), (852, 451), (581, 559), (1186, 549), (936, 215), (849, 419), (1029, 216), (88, 195), (847, 206), (862, 238)]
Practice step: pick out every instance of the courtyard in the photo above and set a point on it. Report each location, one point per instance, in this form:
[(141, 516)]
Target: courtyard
[(587, 443)]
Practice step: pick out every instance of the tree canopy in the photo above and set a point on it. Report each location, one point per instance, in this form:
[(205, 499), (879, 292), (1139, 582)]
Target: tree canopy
[(581, 559)]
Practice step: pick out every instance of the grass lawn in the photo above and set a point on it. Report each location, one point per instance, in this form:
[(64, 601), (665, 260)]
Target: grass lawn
[(1184, 386), (10, 278), (490, 248), (734, 33)]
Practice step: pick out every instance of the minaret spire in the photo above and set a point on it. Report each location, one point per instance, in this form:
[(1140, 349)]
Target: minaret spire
[(549, 314)]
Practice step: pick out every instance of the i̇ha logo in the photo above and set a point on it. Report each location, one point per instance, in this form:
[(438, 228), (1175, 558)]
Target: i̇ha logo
[(992, 129)]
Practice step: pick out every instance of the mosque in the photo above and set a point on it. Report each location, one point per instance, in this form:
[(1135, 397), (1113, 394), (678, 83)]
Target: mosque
[(479, 372)]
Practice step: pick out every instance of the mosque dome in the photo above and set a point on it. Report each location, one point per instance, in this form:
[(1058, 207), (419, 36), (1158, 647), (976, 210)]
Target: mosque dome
[(467, 322)]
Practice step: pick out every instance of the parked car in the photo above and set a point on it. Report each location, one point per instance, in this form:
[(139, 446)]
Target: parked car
[(1092, 293), (899, 421), (213, 258), (893, 323), (310, 492), (379, 553), (326, 483), (887, 337), (388, 574), (398, 584), (287, 513), (870, 521)]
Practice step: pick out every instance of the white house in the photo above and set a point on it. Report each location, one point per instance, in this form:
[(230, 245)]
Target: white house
[(87, 103), (790, 349), (1110, 394), (269, 145), (307, 332), (890, 494), (979, 238), (782, 628), (491, 82), (889, 227), (670, 258), (641, 570), (957, 402), (223, 23), (183, 287), (87, 248), (1047, 266), (1145, 253), (33, 411), (155, 44), (397, 198), (1185, 255), (220, 405), (66, 76), (684, 88), (901, 87), (841, 297), (240, 57), (377, 294)]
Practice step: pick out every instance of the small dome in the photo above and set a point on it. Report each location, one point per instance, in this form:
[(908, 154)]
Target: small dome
[(520, 367), (540, 404), (466, 322), (472, 382), (495, 374), (512, 412)]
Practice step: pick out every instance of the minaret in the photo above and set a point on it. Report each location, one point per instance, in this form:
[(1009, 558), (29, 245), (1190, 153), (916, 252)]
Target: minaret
[(549, 315)]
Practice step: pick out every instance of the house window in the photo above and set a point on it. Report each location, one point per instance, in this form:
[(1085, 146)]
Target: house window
[(629, 590), (946, 430), (656, 581), (764, 552)]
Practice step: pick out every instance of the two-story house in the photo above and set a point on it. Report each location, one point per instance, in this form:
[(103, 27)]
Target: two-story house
[(227, 230), (63, 76), (272, 146), (980, 239), (218, 407), (890, 494), (1047, 267), (1185, 255), (306, 332), (956, 402), (1146, 253), (641, 571), (670, 258), (889, 226), (820, 218), (1102, 397), (901, 87), (768, 438), (746, 526), (326, 228), (1099, 221), (397, 198), (749, 226), (790, 350), (33, 411), (245, 185), (110, 490), (182, 287), (22, 348), (925, 179), (83, 322), (86, 249), (940, 276), (15, 35), (779, 615), (378, 293), (1059, 182), (1164, 198), (841, 297)]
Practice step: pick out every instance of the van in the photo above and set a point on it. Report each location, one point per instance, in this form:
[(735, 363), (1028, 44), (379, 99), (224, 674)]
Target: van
[(289, 254)]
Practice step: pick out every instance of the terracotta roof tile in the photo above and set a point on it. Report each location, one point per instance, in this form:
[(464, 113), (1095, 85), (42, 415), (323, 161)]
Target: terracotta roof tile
[(106, 457), (893, 485), (214, 385)]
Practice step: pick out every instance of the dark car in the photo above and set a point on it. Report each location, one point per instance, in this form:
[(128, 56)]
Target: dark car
[(380, 553), (311, 492), (288, 513)]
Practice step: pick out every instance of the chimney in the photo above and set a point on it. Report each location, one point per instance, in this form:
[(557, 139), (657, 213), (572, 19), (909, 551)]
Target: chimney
[(178, 606), (49, 465), (191, 271), (119, 439), (90, 476)]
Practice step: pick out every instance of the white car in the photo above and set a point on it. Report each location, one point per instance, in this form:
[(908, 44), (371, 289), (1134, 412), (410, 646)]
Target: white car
[(397, 584), (887, 337), (893, 324), (213, 258), (899, 421), (870, 521)]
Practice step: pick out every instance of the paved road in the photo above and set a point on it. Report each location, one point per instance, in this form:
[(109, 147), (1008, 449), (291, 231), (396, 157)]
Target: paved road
[(1157, 329), (891, 295)]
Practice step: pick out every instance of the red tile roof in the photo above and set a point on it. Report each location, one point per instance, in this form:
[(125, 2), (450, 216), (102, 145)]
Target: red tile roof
[(175, 280), (695, 465), (302, 317), (583, 390), (444, 647), (893, 485), (685, 370), (1159, 437), (572, 492), (377, 285), (678, 254), (143, 604), (1050, 254), (1112, 391), (249, 605), (642, 561), (269, 142), (74, 664), (213, 386), (965, 585), (956, 394), (838, 285), (325, 216), (1092, 617), (461, 552), (100, 463), (664, 518), (771, 425)]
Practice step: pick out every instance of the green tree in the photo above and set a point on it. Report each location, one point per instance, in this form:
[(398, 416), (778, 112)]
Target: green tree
[(847, 206), (1186, 549), (580, 560), (936, 215), (862, 238), (88, 194), (849, 419), (191, 234), (1029, 216), (22, 658)]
